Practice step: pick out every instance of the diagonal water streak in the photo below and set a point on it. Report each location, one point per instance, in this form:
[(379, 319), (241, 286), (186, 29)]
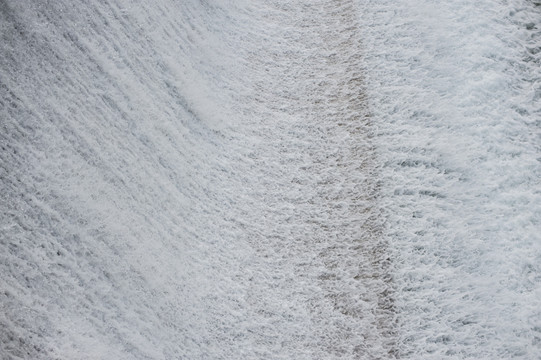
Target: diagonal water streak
[(317, 222), (188, 180)]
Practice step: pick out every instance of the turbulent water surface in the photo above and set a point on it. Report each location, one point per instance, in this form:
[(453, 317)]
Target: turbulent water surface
[(233, 179)]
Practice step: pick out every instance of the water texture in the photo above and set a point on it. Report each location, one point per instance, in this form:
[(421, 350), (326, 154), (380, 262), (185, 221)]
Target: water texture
[(230, 179), (454, 90)]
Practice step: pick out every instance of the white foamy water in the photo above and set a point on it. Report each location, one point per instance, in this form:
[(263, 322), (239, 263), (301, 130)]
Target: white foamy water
[(454, 88), (269, 180)]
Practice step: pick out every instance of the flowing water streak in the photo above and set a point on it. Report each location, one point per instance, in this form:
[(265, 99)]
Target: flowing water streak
[(454, 89), (321, 221), (188, 180)]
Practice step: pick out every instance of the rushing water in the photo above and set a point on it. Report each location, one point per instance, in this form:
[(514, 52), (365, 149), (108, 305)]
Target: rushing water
[(454, 88), (237, 179)]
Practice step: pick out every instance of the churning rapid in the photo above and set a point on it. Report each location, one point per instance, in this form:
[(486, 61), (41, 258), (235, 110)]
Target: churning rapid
[(234, 179)]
